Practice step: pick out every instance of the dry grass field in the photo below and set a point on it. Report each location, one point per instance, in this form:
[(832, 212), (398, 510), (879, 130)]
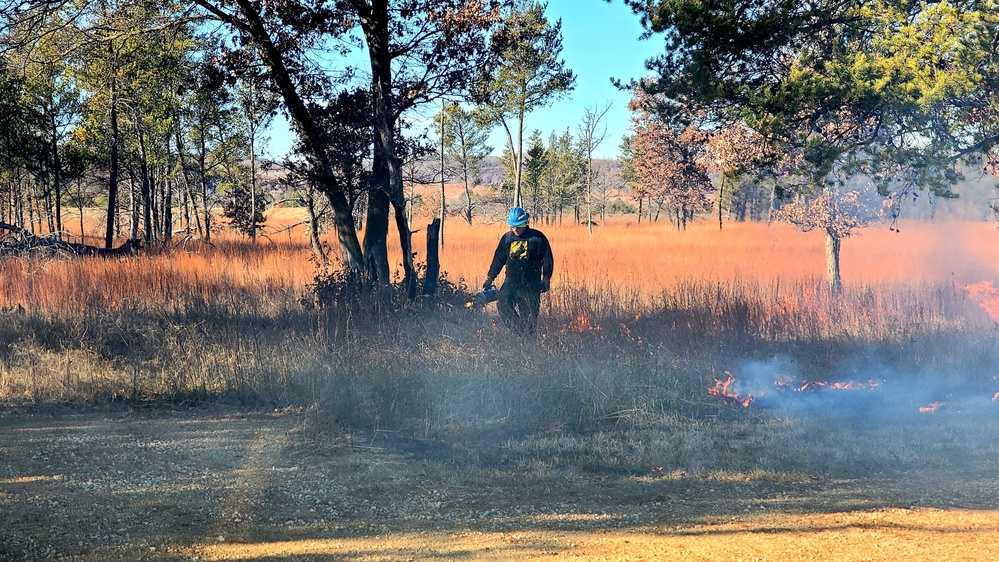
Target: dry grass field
[(693, 395)]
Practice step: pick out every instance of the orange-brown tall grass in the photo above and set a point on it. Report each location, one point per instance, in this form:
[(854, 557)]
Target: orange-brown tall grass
[(651, 257), (639, 319), (268, 274), (891, 278), (635, 263)]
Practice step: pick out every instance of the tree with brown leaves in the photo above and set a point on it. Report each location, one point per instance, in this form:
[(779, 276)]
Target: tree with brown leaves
[(731, 152), (668, 162)]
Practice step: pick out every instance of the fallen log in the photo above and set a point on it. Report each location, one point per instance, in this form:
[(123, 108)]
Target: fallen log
[(25, 242)]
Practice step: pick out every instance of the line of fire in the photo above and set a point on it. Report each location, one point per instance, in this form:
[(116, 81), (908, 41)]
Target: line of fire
[(784, 387), (728, 393)]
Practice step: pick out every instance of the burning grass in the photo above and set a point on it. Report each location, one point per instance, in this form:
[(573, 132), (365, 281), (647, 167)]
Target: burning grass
[(640, 321)]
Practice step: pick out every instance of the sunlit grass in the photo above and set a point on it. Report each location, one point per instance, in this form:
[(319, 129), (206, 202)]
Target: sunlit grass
[(622, 264), (640, 320), (166, 278), (651, 257)]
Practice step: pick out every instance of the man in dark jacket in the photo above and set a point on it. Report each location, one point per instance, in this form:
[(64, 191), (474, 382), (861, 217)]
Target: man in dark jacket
[(528, 259)]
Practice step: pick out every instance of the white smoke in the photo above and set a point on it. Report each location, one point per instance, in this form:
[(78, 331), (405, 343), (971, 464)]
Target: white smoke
[(867, 389)]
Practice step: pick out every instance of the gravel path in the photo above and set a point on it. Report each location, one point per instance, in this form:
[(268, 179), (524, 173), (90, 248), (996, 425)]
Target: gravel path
[(211, 485)]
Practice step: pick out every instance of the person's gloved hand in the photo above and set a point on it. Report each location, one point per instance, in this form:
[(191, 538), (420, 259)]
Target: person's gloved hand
[(545, 285), (488, 284)]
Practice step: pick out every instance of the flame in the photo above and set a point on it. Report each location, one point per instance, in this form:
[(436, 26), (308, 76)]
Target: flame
[(582, 324), (853, 385), (996, 397), (783, 383), (721, 389), (931, 408), (628, 335), (987, 296)]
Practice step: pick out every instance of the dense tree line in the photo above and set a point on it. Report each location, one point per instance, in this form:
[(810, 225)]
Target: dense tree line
[(153, 111), (119, 106), (559, 179)]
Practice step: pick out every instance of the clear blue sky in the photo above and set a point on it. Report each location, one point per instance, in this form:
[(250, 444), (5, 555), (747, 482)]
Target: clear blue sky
[(600, 40)]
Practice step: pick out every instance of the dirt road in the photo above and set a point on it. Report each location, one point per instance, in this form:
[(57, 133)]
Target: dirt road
[(212, 485)]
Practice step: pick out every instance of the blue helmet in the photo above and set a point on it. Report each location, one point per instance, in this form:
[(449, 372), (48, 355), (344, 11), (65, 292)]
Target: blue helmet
[(517, 217)]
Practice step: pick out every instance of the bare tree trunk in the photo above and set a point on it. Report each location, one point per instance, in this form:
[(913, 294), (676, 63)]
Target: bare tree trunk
[(376, 221), (589, 194), (317, 245), (721, 194), (56, 176), (185, 208), (253, 182), (406, 242), (113, 174), (157, 191), (168, 186), (443, 213), (189, 197), (468, 197), (516, 159), (833, 242), (31, 211), (147, 205), (133, 205), (203, 177), (773, 204), (376, 31), (522, 113), (21, 195), (79, 198)]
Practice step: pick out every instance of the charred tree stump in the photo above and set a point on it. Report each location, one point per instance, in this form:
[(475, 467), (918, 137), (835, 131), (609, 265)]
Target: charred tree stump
[(433, 258)]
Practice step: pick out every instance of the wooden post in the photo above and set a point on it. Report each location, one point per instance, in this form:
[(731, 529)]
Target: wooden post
[(440, 237), (433, 258)]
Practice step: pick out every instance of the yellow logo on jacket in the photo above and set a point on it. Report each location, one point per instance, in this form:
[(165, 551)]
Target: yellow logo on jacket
[(518, 249)]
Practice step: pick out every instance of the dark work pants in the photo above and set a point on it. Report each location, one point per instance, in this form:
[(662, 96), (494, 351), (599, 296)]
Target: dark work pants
[(520, 307)]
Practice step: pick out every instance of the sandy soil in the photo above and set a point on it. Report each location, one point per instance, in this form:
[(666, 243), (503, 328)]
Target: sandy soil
[(213, 485)]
